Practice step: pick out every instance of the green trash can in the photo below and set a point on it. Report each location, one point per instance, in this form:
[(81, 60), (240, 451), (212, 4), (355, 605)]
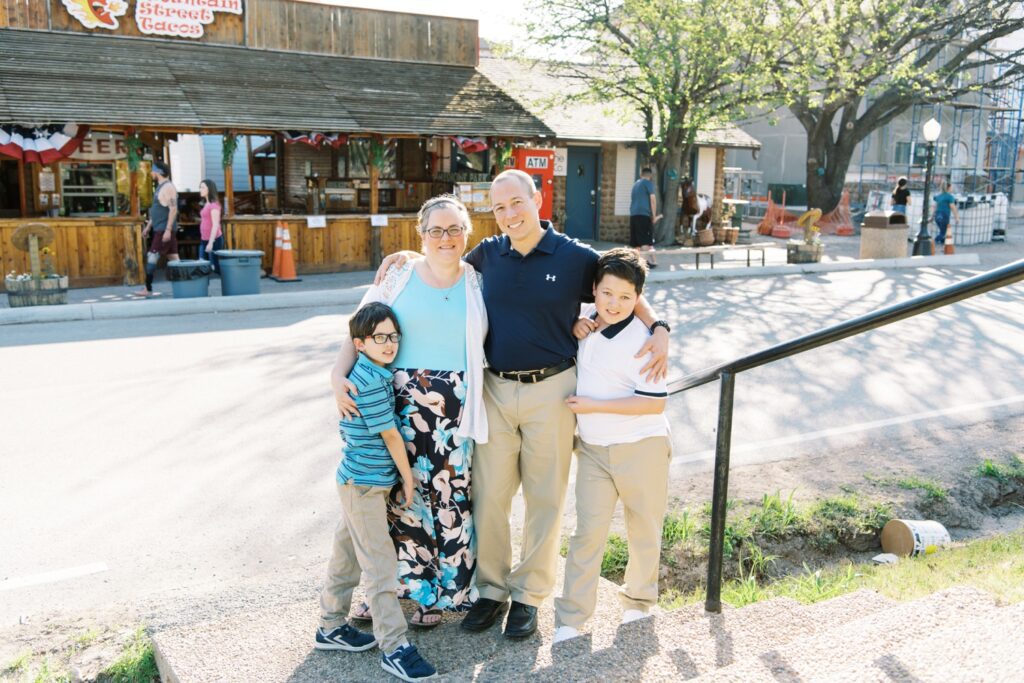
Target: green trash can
[(189, 279), (240, 271)]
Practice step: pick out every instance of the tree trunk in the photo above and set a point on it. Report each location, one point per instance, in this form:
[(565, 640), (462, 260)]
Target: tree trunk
[(827, 164)]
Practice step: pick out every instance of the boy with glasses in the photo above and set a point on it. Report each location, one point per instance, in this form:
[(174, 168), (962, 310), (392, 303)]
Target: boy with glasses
[(373, 454)]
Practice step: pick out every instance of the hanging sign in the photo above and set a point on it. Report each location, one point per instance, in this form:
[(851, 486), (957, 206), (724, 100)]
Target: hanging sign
[(97, 13), (180, 18), (561, 160), (101, 147)]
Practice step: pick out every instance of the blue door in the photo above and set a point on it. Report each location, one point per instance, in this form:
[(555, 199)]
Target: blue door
[(581, 192)]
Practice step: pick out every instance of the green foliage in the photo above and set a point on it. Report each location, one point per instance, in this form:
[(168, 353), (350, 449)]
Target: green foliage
[(776, 517), (841, 517), (137, 662), (743, 591), (616, 555), (563, 546), (678, 528), (18, 664), (50, 673), (230, 144), (933, 490), (1001, 472)]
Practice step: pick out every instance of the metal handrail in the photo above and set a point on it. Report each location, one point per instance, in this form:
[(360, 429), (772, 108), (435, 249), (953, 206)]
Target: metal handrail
[(973, 286)]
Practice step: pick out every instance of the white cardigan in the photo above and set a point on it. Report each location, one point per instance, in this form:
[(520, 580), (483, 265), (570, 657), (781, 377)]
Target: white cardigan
[(474, 417)]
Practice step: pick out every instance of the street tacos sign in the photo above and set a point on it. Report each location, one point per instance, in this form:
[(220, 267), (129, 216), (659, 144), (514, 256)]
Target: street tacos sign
[(174, 18)]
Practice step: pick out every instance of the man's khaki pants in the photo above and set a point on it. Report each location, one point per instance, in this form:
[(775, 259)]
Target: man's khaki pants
[(638, 474), (362, 542), (530, 442)]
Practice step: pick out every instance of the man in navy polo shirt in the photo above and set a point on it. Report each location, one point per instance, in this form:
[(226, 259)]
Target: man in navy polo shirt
[(534, 280)]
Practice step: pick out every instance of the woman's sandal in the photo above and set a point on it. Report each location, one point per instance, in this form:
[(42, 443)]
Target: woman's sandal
[(361, 613), (420, 614)]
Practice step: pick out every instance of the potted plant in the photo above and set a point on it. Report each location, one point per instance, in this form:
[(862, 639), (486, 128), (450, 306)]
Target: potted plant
[(42, 286), (811, 248)]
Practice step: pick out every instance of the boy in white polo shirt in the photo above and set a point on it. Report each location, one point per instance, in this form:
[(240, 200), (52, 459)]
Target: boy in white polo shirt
[(623, 449)]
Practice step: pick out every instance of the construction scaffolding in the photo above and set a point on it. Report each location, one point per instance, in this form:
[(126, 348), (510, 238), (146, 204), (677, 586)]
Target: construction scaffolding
[(979, 151)]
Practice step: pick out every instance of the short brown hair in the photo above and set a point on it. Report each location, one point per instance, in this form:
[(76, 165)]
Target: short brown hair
[(364, 321), (624, 264)]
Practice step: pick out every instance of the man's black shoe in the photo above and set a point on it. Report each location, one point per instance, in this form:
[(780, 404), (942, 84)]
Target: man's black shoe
[(522, 621), (482, 614)]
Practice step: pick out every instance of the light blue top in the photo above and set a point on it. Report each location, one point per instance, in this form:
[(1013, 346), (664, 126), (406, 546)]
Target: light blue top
[(943, 202), (640, 197), (433, 329)]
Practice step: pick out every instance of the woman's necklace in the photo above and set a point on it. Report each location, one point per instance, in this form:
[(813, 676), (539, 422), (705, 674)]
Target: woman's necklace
[(446, 294)]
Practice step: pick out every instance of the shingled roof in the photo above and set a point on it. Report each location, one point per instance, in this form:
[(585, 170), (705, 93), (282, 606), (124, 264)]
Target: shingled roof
[(543, 92), (50, 77)]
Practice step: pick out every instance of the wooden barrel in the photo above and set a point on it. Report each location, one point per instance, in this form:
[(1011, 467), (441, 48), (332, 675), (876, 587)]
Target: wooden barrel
[(47, 291)]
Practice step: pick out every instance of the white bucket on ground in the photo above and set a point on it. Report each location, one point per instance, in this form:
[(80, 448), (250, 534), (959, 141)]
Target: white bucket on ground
[(913, 537)]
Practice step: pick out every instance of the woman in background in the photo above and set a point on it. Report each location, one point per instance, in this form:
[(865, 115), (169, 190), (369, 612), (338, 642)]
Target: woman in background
[(211, 237), (900, 196)]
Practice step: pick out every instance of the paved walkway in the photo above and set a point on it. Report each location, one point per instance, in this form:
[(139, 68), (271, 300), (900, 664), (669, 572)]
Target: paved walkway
[(347, 288)]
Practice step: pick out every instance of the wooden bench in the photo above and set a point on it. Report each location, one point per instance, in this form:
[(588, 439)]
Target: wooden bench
[(719, 248)]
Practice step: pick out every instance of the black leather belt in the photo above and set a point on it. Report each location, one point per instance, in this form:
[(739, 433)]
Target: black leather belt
[(534, 376)]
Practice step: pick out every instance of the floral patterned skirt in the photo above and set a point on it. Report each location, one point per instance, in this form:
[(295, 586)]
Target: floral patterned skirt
[(434, 537)]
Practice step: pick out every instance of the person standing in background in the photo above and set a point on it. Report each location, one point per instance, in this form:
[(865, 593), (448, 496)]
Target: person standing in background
[(945, 205), (211, 237), (163, 223), (901, 196), (643, 214)]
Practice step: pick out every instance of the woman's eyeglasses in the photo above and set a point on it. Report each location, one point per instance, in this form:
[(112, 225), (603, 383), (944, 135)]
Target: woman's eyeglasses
[(394, 337), (438, 233)]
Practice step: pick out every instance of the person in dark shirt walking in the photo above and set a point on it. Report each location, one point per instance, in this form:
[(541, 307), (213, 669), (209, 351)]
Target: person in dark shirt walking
[(643, 214)]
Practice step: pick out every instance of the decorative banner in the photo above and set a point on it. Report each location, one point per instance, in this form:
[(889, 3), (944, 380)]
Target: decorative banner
[(469, 145), (97, 13), (179, 18), (42, 144), (335, 140)]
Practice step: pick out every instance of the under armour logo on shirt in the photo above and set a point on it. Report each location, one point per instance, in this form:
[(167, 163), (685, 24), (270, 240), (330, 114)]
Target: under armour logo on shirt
[(550, 278)]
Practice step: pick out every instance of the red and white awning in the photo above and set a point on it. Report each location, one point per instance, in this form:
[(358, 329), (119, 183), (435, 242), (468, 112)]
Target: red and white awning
[(334, 140), (41, 144), (469, 145)]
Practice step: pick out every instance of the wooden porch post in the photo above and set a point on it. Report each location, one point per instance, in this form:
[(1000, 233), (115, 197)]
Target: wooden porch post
[(374, 184), (716, 202), (375, 247), (22, 196), (229, 187), (279, 172), (248, 163), (133, 190)]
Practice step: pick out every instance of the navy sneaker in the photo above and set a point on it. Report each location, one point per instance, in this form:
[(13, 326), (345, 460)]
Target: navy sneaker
[(343, 638), (407, 664)]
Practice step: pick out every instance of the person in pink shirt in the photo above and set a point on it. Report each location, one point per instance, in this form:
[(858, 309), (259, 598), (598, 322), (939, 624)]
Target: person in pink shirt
[(211, 237)]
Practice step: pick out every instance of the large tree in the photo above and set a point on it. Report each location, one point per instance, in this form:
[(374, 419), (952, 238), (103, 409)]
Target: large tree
[(683, 65), (855, 65)]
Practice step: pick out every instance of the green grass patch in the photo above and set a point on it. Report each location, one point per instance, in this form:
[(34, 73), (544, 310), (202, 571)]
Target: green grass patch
[(616, 555), (834, 519), (678, 528), (933, 491), (136, 663), (994, 564), (51, 673), (1003, 472), (777, 517), (18, 664)]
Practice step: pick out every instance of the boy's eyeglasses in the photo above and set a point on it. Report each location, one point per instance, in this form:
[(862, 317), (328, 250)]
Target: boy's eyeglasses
[(438, 233), (394, 337)]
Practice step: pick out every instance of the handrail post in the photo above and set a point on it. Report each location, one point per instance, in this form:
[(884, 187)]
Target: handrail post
[(720, 494)]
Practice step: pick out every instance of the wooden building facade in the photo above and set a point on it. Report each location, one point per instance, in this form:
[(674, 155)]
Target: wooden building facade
[(352, 112)]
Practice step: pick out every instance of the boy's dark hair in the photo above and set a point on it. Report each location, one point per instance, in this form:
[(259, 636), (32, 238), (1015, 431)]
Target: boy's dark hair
[(624, 264), (364, 321), (646, 170)]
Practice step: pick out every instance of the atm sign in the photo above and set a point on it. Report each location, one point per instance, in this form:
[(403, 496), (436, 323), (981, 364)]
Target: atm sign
[(536, 162)]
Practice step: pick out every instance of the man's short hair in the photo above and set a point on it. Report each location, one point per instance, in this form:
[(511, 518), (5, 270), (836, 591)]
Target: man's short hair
[(624, 264), (646, 170), (521, 177), (162, 168), (364, 321)]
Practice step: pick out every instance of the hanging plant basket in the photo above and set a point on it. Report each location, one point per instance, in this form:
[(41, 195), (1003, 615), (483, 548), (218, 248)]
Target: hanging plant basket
[(801, 252), (46, 291)]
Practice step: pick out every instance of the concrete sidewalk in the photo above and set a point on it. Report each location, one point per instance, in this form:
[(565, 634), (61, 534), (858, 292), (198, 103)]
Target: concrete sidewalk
[(339, 289)]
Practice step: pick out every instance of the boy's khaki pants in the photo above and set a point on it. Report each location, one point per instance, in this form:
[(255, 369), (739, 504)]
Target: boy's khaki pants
[(362, 542), (638, 474), (530, 432)]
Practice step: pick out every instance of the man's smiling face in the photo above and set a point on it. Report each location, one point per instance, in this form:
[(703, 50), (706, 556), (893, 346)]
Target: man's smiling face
[(516, 208)]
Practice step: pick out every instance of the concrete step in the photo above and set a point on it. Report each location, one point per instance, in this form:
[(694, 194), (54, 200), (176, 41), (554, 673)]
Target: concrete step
[(275, 643), (989, 647), (846, 652), (680, 648)]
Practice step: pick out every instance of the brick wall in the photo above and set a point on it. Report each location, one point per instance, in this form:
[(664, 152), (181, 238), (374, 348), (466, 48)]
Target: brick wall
[(611, 228), (295, 158)]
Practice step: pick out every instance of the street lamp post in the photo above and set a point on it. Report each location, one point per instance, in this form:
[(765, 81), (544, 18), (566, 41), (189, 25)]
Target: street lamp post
[(922, 245)]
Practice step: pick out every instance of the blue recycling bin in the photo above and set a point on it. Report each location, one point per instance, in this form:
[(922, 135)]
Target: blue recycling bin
[(240, 271), (189, 279)]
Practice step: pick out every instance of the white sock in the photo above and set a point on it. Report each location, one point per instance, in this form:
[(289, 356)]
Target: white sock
[(565, 633), (632, 615)]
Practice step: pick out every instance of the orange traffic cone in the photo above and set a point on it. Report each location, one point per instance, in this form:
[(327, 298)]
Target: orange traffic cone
[(948, 246), (278, 232), (286, 267)]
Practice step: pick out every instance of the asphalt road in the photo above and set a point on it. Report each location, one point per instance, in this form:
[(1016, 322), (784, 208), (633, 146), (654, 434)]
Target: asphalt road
[(151, 458)]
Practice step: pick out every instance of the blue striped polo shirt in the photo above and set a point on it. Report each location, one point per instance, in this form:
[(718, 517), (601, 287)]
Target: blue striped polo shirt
[(365, 459)]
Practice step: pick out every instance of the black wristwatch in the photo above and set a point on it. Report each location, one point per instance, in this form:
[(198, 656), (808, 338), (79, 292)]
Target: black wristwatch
[(660, 323)]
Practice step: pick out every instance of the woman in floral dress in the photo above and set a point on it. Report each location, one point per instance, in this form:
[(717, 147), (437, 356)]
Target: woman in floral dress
[(438, 389)]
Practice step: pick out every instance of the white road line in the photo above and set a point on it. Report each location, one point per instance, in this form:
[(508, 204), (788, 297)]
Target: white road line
[(53, 577), (706, 455)]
